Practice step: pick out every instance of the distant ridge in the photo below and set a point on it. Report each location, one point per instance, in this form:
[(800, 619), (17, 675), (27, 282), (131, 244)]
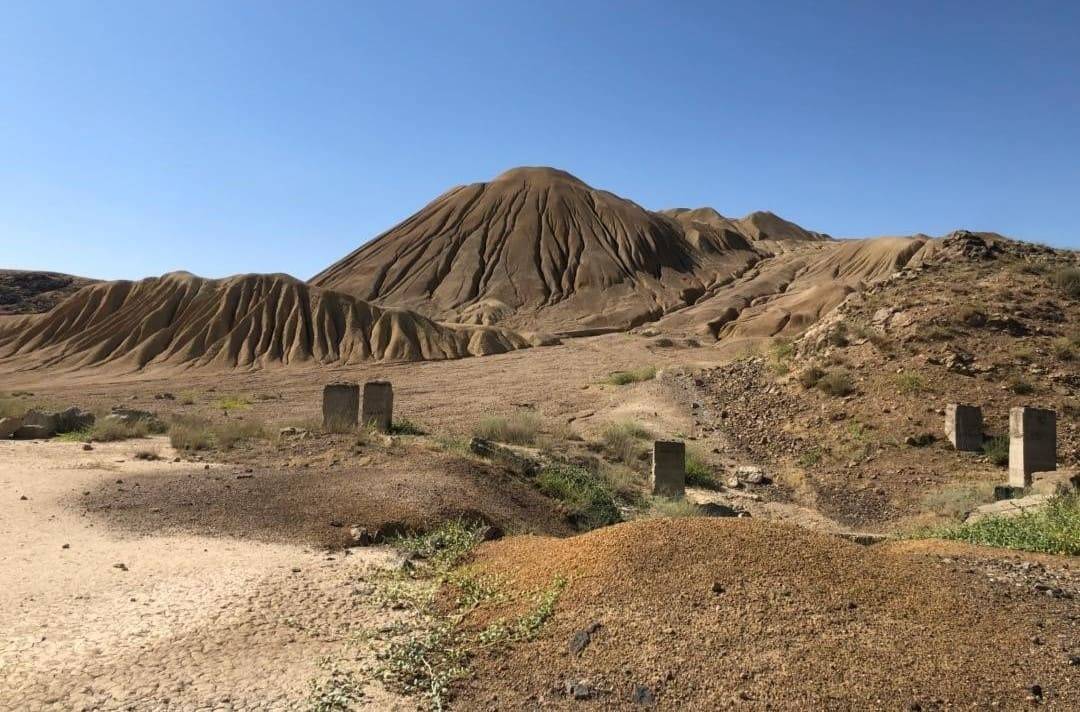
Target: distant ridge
[(252, 320)]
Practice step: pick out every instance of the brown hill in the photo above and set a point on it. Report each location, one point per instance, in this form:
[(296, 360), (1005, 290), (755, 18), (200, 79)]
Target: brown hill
[(537, 246), (249, 320), (758, 227), (26, 292)]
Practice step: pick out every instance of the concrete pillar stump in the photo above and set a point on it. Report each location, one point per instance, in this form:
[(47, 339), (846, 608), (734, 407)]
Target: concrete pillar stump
[(340, 406), (1032, 444), (378, 409), (964, 426), (669, 468)]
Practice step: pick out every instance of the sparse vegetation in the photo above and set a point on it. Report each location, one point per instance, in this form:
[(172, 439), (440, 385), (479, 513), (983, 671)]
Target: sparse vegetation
[(636, 375), (836, 383), (997, 450), (780, 355), (196, 433), (1064, 348), (232, 402), (445, 546), (623, 440), (404, 426), (589, 501), (11, 408), (809, 377), (112, 429), (518, 429), (1067, 279), (971, 316), (625, 482), (698, 471), (1055, 529), (811, 457), (910, 383), (147, 454), (674, 508), (955, 501), (336, 690)]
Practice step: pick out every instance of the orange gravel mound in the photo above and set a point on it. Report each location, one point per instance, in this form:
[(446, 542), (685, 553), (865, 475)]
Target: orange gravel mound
[(707, 614), (244, 321)]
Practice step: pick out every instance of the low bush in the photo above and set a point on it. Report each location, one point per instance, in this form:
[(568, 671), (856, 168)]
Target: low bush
[(836, 383), (232, 403), (674, 508), (1021, 387), (1067, 279), (698, 471), (810, 376), (589, 501), (196, 433), (910, 383), (622, 378), (1064, 348), (231, 432), (12, 408), (623, 440), (997, 449), (1055, 529), (957, 500), (516, 429), (404, 426), (106, 430)]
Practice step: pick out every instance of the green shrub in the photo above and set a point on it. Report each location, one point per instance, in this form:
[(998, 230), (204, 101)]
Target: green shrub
[(623, 440), (997, 449), (1021, 387), (1055, 529), (622, 378), (810, 376), (1067, 279), (191, 433), (586, 495), (445, 546), (836, 383), (1064, 348), (910, 383), (404, 426), (698, 471), (517, 429), (232, 403), (231, 432)]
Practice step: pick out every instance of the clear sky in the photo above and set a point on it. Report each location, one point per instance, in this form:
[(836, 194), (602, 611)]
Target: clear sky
[(225, 136)]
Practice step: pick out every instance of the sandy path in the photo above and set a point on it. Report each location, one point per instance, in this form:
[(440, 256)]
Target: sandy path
[(192, 623)]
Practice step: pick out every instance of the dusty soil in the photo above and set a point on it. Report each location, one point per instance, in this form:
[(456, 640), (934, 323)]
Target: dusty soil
[(711, 614), (312, 491), (189, 622)]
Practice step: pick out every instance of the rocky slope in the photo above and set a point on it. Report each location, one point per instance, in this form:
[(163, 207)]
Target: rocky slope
[(26, 292)]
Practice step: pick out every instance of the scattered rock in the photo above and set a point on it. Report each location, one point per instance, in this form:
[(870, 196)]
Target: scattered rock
[(579, 689), (920, 440), (361, 536), (121, 566), (87, 447), (581, 639)]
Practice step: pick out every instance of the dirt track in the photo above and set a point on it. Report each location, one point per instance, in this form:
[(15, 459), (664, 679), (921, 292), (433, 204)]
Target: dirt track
[(189, 623)]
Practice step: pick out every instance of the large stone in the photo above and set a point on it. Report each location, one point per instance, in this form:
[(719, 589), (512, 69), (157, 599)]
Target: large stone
[(340, 406), (40, 419), (964, 426), (378, 405), (8, 426), (32, 432), (669, 468), (1032, 443)]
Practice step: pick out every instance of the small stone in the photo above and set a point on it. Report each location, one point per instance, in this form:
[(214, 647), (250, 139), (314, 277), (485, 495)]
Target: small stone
[(23, 498), (87, 446), (718, 588), (121, 566), (66, 546), (579, 689)]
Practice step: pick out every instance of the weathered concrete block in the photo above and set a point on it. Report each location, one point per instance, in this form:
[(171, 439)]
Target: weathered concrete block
[(669, 468), (378, 405), (964, 426), (340, 406), (1032, 444)]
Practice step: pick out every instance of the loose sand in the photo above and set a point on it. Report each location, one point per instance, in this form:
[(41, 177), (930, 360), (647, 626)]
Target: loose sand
[(190, 622)]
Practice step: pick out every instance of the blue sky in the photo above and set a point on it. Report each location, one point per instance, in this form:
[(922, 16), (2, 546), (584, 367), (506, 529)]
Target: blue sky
[(224, 137)]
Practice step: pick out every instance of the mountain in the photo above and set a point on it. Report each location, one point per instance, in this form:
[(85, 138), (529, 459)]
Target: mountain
[(539, 247), (244, 321)]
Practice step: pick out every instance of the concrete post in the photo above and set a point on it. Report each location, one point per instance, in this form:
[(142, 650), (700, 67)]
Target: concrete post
[(669, 468), (340, 406), (1032, 444), (378, 410), (964, 426)]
